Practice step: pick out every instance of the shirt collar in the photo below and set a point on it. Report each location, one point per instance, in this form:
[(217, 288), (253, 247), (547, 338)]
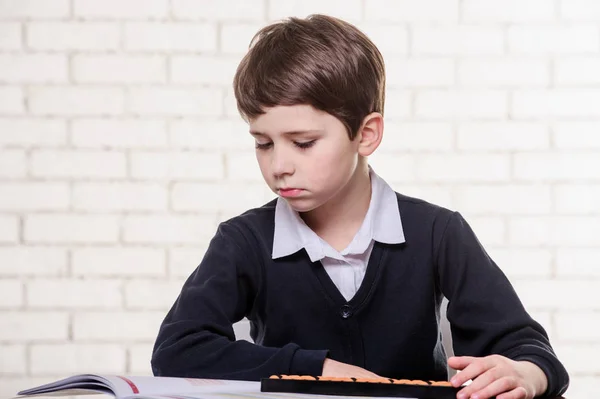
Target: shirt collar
[(382, 223)]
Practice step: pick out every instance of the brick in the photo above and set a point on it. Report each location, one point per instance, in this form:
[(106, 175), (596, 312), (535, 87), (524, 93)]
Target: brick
[(32, 261), (564, 231), (76, 101), (32, 132), (464, 168), (580, 10), (398, 104), (34, 196), (13, 163), (503, 136), (12, 100), (73, 36), (513, 199), (129, 9), (233, 10), (409, 11), (419, 72), (391, 40), (170, 37), (457, 40), (394, 168), (225, 134), (177, 165), (504, 72), (116, 326), (183, 261), (151, 294), (587, 324), (511, 11), (120, 197), (72, 358), (242, 166), (26, 9), (558, 294), (172, 101), (556, 103), (350, 11), (556, 166), (582, 386), (11, 294), (579, 359), (33, 326), (209, 70), (577, 198), (576, 135), (13, 360), (214, 197), (577, 71), (461, 104), (139, 359), (78, 164), (490, 230), (25, 68), (418, 136), (436, 194), (544, 39), (523, 262), (74, 294), (9, 233), (119, 262), (10, 36), (170, 229), (230, 104), (118, 133), (126, 69), (235, 37), (70, 228), (577, 262)]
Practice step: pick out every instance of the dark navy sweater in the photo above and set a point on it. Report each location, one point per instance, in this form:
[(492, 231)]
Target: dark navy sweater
[(391, 326)]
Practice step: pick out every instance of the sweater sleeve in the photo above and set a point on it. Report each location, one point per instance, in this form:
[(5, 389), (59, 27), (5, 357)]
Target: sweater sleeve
[(485, 313), (196, 339)]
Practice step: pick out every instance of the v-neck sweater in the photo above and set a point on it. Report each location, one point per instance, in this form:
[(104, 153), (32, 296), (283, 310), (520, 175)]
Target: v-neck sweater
[(391, 326)]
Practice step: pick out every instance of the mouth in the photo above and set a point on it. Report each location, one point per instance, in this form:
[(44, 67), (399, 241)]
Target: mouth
[(289, 192)]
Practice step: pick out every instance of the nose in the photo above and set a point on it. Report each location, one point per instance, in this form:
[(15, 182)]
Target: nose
[(281, 163)]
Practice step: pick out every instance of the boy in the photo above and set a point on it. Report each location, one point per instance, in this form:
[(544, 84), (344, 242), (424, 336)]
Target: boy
[(340, 275)]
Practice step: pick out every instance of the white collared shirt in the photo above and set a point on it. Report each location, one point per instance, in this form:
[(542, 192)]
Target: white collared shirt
[(346, 268)]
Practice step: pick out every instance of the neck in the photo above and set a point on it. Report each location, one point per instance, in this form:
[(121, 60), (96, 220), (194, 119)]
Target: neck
[(343, 214)]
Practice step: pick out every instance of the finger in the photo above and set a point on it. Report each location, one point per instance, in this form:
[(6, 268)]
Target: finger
[(478, 384), (497, 387), (517, 393), (476, 368), (460, 362)]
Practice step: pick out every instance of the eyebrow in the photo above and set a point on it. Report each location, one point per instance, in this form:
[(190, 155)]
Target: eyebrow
[(290, 133)]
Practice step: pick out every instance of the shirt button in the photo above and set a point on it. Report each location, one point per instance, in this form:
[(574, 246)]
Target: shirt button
[(346, 311)]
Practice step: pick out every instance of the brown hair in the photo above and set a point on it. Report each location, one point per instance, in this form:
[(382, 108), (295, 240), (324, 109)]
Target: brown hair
[(320, 61)]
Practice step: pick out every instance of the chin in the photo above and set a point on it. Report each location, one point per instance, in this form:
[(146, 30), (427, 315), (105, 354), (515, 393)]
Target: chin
[(301, 205)]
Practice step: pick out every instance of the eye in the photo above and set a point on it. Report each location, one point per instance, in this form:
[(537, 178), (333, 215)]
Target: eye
[(263, 146), (305, 145)]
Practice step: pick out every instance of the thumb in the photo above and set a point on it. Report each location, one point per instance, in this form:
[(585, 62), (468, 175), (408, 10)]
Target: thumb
[(460, 362)]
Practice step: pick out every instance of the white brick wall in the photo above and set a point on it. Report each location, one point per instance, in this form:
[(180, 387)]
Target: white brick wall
[(121, 149)]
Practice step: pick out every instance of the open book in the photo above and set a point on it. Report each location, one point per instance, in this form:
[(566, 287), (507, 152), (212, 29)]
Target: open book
[(146, 387)]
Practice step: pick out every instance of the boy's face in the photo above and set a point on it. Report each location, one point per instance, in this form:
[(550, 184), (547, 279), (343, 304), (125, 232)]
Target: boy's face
[(305, 155)]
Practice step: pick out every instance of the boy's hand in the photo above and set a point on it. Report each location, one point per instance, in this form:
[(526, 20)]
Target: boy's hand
[(333, 368), (498, 376)]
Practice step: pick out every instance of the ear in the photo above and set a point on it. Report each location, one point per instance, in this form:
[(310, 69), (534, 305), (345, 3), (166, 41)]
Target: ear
[(370, 134)]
